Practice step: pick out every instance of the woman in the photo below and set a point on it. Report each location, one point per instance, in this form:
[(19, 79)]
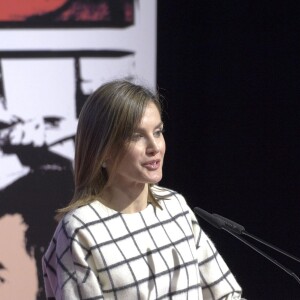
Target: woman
[(122, 236)]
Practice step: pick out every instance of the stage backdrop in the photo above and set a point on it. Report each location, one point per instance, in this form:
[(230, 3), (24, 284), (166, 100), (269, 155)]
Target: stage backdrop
[(53, 55)]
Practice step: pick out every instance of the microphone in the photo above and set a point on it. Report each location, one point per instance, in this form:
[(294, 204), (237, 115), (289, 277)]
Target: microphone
[(219, 221), (224, 223), (236, 229)]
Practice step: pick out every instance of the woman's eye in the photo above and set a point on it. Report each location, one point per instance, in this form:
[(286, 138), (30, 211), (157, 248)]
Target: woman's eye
[(159, 132), (136, 136)]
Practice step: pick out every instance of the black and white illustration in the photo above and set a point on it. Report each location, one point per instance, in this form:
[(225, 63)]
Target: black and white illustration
[(46, 74)]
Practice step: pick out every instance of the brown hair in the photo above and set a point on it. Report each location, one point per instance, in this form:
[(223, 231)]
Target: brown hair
[(107, 119)]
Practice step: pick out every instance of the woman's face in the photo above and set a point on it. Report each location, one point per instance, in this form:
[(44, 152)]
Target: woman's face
[(143, 160)]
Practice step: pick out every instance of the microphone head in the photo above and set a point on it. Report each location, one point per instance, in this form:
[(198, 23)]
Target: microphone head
[(231, 225), (211, 219), (219, 221)]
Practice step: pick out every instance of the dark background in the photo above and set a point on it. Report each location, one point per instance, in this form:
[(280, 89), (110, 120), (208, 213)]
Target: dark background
[(229, 73)]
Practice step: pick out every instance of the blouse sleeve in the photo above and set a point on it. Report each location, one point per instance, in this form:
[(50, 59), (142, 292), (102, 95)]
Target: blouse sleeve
[(217, 281), (68, 270)]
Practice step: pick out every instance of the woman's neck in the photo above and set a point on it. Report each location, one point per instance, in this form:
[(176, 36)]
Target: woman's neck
[(129, 200)]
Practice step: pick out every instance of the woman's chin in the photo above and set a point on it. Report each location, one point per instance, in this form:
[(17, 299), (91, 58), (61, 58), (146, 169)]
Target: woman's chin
[(155, 179)]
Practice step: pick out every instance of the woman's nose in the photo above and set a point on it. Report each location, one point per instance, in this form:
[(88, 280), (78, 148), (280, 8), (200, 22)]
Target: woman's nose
[(152, 147)]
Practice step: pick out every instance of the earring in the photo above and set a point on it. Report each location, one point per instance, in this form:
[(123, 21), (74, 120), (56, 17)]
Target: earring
[(104, 165)]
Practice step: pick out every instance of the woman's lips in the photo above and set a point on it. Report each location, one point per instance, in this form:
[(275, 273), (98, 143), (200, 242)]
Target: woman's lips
[(152, 165)]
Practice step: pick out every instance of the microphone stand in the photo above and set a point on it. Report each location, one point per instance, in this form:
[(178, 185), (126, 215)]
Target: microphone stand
[(239, 229), (236, 230), (271, 246), (291, 273)]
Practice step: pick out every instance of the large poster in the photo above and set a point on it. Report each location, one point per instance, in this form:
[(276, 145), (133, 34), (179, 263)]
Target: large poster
[(53, 55)]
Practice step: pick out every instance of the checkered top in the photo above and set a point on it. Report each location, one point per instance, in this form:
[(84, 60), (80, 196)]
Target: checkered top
[(99, 253)]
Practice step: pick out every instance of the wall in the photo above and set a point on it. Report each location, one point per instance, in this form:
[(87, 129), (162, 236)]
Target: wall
[(230, 75)]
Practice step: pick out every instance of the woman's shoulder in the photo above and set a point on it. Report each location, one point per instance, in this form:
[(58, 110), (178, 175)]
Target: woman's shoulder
[(81, 217), (73, 223)]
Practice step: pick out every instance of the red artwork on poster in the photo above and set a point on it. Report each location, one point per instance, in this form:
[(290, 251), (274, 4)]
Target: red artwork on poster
[(17, 10), (66, 13)]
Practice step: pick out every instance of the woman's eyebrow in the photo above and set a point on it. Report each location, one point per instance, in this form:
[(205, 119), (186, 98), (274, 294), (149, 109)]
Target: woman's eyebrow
[(157, 126)]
